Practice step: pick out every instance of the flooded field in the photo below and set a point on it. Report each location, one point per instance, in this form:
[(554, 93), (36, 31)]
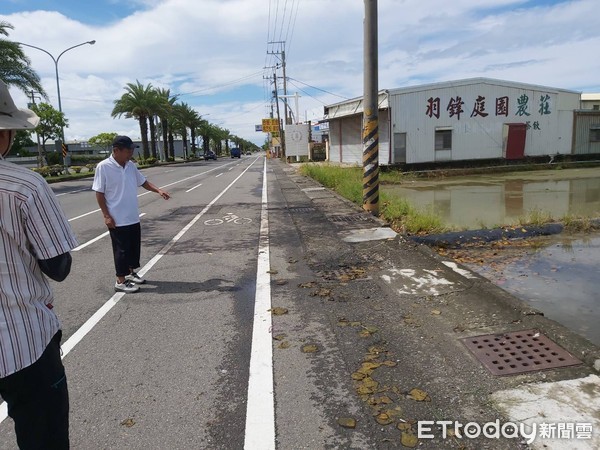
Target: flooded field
[(485, 201), (558, 275)]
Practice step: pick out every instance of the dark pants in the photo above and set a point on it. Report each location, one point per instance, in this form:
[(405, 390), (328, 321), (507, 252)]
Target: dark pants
[(126, 243), (38, 401)]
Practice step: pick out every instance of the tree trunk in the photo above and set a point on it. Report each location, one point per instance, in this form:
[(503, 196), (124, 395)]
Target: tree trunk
[(171, 144), (144, 133), (164, 124), (152, 137)]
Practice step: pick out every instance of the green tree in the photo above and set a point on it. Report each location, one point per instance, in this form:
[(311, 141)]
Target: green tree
[(15, 67), (22, 140), (52, 121), (137, 103), (103, 140), (164, 112)]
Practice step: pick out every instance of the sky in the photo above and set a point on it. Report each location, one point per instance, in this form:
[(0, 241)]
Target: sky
[(219, 56)]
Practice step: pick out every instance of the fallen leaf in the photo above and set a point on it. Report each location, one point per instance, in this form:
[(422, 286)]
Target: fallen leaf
[(323, 292), (278, 311), (436, 312), (128, 423), (409, 440), (292, 261), (358, 376), (281, 282), (390, 363), (309, 284), (419, 395), (279, 337), (273, 272), (403, 426), (284, 345), (347, 422), (310, 348), (384, 419)]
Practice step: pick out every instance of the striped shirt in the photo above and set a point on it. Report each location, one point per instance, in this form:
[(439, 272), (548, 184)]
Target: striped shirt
[(32, 227)]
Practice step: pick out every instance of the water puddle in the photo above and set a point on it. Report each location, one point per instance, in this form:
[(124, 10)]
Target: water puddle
[(558, 275), (486, 201)]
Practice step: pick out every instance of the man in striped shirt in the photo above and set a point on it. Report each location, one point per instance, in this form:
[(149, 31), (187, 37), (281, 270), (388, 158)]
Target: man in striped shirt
[(35, 239)]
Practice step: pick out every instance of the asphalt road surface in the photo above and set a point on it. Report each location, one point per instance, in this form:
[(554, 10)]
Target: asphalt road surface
[(269, 315), (168, 367)]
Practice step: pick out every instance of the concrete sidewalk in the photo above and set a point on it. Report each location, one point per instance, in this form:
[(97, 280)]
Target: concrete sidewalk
[(409, 322)]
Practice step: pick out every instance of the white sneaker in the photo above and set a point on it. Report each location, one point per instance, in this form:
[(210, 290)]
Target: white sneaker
[(135, 278), (126, 286)]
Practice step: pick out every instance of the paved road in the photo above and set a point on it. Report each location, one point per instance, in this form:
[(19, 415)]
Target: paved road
[(197, 361)]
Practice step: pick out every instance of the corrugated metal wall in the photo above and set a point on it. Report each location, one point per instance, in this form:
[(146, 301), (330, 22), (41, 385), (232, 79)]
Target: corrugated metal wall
[(477, 124), (583, 123), (346, 133)]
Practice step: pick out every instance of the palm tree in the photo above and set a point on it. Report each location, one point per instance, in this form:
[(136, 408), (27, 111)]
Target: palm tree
[(15, 67), (166, 102), (205, 130), (137, 103)]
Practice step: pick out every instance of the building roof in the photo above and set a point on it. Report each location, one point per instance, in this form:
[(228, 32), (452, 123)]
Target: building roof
[(354, 106), (590, 96)]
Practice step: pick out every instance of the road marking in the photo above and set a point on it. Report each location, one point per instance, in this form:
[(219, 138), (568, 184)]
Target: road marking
[(111, 302), (191, 189), (73, 192), (97, 238), (260, 410), (148, 192), (219, 175)]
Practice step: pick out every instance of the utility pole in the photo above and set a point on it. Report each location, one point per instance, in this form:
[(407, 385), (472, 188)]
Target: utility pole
[(370, 133), (281, 136), (41, 161), (283, 66)]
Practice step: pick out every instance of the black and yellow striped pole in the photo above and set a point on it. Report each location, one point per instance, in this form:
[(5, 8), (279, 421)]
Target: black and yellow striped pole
[(370, 112)]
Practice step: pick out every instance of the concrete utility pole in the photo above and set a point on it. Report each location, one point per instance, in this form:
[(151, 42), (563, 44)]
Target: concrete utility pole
[(370, 111), (281, 139), (283, 65), (41, 160)]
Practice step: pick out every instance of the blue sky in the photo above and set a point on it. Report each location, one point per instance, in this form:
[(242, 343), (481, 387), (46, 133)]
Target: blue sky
[(219, 55)]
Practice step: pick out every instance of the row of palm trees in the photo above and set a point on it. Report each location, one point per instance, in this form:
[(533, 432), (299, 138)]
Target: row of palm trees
[(157, 111)]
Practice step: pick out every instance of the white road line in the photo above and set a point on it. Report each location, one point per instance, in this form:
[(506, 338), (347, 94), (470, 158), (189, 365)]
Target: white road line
[(191, 189), (148, 192), (260, 410), (104, 309), (219, 175), (73, 192), (97, 238)]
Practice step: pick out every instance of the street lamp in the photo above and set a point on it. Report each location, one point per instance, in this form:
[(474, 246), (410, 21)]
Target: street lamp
[(56, 63)]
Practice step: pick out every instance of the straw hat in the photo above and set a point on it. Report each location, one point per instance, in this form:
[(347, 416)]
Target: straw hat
[(11, 117)]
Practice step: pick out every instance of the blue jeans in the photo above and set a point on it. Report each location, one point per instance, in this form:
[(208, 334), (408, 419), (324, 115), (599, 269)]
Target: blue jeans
[(38, 401)]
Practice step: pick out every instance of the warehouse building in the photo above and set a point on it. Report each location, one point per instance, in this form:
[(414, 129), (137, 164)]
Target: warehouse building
[(470, 119)]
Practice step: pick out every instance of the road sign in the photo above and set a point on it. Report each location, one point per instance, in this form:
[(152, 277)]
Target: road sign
[(270, 125)]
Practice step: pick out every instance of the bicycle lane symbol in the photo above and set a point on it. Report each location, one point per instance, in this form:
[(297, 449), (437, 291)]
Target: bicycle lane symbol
[(228, 218)]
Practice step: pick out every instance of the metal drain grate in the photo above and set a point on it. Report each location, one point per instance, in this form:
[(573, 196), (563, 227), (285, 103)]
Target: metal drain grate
[(350, 218), (518, 352), (301, 209)]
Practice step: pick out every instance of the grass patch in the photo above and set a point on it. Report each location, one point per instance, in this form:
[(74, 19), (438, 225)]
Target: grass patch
[(535, 217), (397, 211)]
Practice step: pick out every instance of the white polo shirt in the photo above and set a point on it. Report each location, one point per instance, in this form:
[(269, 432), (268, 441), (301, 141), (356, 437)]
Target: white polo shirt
[(119, 185)]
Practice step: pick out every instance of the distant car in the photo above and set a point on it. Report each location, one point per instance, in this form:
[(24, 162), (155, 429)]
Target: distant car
[(210, 155), (248, 153), (236, 152)]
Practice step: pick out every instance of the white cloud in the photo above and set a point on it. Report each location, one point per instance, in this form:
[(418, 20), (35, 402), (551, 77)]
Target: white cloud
[(214, 48)]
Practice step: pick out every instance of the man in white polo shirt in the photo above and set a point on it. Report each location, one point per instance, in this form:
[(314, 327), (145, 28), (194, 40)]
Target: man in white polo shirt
[(116, 181)]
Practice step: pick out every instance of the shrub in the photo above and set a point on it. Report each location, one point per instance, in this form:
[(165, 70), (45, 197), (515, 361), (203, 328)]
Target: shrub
[(90, 167), (43, 171), (55, 170), (151, 161), (76, 169)]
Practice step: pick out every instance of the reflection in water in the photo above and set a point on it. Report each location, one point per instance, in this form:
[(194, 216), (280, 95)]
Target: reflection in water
[(486, 201), (559, 278)]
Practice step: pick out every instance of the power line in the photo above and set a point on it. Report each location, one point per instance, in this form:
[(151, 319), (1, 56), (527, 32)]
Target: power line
[(318, 89)]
